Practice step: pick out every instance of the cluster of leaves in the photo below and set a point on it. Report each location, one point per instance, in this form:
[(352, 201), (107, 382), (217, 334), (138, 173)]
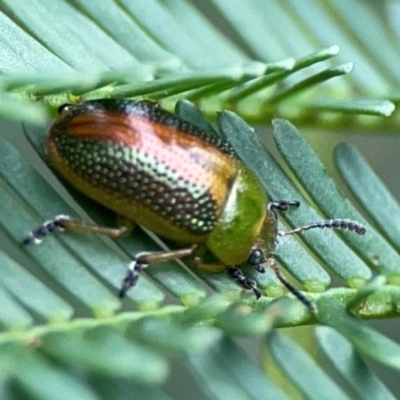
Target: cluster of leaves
[(78, 50), (61, 334)]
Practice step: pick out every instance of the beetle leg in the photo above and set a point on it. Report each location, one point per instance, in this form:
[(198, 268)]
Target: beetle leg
[(143, 260), (308, 303), (282, 205), (209, 267), (257, 258), (135, 268), (65, 223), (247, 283)]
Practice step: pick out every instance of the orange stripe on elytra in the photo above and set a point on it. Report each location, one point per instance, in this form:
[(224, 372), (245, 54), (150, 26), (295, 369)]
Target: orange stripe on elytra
[(193, 158)]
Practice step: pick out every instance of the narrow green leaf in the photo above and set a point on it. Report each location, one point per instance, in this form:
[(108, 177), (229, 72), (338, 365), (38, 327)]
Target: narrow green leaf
[(212, 39), (168, 32), (206, 310), (382, 108), (68, 83), (12, 315), (376, 283), (288, 311), (19, 109), (76, 82), (5, 380), (239, 319), (45, 83), (270, 69), (311, 173), (311, 81), (370, 191), (382, 52), (351, 366), (198, 93), (105, 352), (282, 22), (268, 80), (302, 370), (365, 339), (189, 80), (251, 29), (29, 55), (382, 303), (127, 389), (162, 334), (328, 246), (186, 110), (320, 23), (317, 57), (254, 317), (57, 37), (107, 50), (34, 294), (246, 372), (213, 380), (226, 372), (124, 29), (41, 379), (285, 65)]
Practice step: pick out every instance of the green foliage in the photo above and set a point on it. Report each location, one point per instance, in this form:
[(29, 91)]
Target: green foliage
[(69, 49), (62, 332)]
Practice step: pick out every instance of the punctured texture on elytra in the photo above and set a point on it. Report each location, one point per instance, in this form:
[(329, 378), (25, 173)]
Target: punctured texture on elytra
[(146, 164)]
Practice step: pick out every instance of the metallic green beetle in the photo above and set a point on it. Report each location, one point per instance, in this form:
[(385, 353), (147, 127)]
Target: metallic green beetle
[(173, 178)]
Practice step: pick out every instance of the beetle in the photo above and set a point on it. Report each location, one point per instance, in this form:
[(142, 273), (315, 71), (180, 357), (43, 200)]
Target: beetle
[(174, 178)]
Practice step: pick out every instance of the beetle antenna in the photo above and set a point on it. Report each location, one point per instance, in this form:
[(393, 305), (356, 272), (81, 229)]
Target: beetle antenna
[(329, 224)]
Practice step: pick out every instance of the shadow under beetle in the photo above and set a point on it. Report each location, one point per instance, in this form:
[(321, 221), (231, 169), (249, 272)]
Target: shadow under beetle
[(173, 178)]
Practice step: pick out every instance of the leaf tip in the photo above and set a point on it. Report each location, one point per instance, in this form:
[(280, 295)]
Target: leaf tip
[(333, 50)]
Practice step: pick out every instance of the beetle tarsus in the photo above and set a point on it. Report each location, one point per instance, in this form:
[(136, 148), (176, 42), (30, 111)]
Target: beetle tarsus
[(144, 259), (257, 258), (131, 278), (56, 224), (283, 205), (245, 282), (129, 281), (256, 292)]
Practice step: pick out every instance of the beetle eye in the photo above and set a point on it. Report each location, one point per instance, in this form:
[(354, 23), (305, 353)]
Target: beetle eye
[(64, 108)]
